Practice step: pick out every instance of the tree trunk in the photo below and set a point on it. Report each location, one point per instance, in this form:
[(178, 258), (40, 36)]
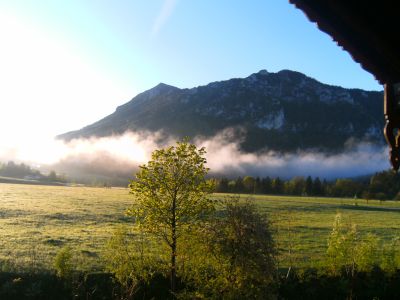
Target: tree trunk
[(173, 267), (173, 248)]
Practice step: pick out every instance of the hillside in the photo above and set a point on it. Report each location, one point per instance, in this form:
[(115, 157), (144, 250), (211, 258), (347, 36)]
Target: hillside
[(283, 111)]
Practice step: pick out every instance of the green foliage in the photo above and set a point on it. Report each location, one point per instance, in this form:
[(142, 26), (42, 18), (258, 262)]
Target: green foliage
[(368, 253), (317, 188), (384, 185), (277, 186), (129, 257), (390, 257), (296, 186), (249, 184), (172, 195), (239, 186), (346, 188), (171, 190), (309, 284), (222, 185), (237, 256), (348, 251), (308, 188), (63, 262)]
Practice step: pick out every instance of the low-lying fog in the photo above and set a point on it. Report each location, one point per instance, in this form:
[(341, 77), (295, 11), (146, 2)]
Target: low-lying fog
[(121, 155)]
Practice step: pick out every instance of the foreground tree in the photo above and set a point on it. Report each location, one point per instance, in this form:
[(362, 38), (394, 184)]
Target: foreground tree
[(172, 195)]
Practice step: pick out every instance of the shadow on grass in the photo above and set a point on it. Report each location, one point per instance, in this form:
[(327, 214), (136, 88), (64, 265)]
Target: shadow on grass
[(13, 213), (370, 208), (310, 208), (325, 207)]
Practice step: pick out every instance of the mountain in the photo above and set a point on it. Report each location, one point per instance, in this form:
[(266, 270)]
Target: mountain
[(283, 111)]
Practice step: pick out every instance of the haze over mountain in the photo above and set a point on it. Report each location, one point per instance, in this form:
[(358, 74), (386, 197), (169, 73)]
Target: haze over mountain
[(284, 112)]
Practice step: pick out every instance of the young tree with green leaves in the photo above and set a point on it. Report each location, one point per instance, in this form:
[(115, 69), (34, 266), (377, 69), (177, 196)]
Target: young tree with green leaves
[(348, 251), (172, 195)]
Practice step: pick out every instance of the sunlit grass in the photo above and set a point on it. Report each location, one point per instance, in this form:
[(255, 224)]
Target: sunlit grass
[(36, 221), (303, 224)]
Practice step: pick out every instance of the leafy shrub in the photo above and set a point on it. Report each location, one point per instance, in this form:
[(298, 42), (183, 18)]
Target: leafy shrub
[(129, 258), (63, 262), (348, 251), (236, 259)]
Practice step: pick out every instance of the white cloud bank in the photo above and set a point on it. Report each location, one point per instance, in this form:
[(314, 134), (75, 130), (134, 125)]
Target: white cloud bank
[(122, 154), (226, 158)]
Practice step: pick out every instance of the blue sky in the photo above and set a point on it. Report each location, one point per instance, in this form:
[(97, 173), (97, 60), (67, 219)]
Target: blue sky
[(66, 64), (188, 43)]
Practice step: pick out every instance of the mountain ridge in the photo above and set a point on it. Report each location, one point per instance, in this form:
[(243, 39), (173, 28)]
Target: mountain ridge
[(283, 111)]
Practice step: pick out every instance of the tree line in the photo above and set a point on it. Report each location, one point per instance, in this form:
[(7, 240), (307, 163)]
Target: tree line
[(24, 171), (383, 185), (11, 169)]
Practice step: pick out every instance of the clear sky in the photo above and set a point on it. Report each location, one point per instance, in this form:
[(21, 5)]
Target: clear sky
[(67, 63)]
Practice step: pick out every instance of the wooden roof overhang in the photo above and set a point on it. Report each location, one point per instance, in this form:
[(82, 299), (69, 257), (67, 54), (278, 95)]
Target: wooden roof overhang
[(369, 31)]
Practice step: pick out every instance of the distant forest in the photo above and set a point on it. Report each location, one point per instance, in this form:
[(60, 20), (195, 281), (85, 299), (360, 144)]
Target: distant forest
[(382, 186), (23, 171)]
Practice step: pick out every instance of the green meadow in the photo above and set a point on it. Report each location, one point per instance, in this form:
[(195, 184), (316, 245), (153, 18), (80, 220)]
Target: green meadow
[(36, 221)]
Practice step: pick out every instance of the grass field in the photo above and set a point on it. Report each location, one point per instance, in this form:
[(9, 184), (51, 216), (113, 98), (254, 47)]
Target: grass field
[(36, 221)]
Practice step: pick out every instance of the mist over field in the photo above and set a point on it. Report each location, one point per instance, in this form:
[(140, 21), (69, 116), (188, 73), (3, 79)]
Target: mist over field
[(120, 156)]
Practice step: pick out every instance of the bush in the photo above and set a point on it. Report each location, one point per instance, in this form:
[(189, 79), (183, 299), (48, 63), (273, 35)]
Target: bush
[(129, 258), (238, 257), (63, 263), (347, 251)]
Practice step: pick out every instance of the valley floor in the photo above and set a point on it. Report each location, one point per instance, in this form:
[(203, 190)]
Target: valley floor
[(36, 221)]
